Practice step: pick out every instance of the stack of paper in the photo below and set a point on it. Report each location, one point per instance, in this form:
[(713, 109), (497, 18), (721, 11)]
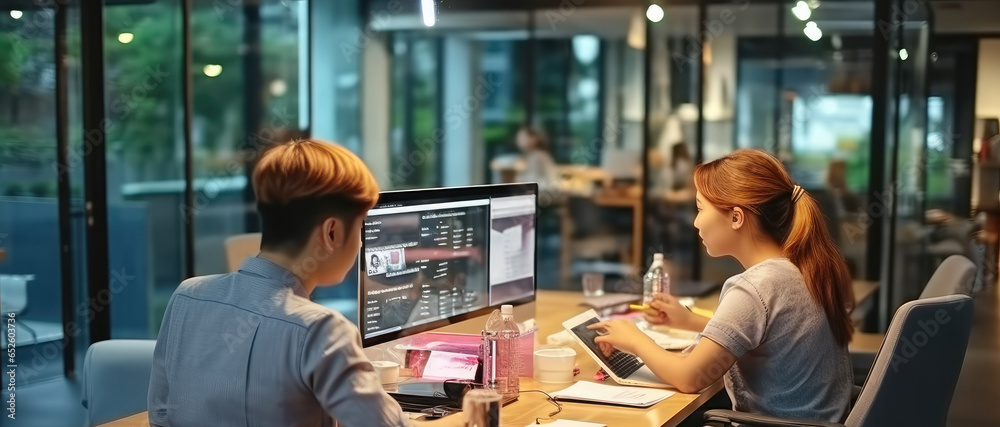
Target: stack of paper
[(616, 395), (569, 423)]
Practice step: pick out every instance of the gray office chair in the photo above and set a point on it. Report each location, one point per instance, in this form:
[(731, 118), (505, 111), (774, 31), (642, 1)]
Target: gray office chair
[(953, 276), (914, 376), (116, 379)]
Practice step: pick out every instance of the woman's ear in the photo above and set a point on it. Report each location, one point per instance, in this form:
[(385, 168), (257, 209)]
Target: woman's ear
[(738, 218)]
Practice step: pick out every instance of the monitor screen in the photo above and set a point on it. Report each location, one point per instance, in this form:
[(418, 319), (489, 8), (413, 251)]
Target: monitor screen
[(434, 257)]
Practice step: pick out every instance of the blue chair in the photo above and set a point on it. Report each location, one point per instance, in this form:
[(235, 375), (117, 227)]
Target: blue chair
[(116, 379)]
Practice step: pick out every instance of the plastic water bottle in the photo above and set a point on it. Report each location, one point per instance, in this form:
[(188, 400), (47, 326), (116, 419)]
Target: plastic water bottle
[(656, 280), (501, 352)]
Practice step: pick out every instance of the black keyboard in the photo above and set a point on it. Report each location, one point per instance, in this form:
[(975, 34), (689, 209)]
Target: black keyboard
[(623, 364)]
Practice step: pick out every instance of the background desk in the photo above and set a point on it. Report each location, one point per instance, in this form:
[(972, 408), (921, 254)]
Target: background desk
[(629, 247), (552, 308)]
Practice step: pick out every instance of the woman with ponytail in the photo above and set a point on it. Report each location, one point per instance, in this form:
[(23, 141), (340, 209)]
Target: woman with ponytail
[(780, 334)]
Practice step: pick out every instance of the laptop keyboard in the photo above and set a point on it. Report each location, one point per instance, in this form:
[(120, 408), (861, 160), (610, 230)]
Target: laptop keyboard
[(624, 364)]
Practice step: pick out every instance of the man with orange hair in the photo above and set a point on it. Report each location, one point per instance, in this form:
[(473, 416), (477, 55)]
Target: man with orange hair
[(250, 348)]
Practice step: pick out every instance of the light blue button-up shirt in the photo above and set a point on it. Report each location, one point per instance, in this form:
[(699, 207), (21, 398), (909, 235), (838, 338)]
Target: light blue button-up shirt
[(250, 349)]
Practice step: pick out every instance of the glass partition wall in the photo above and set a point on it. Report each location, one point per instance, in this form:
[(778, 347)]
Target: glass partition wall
[(674, 138), (630, 99), (94, 157), (548, 95), (910, 262)]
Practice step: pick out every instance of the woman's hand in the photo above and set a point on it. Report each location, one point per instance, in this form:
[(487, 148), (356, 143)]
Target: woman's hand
[(668, 311), (621, 334)]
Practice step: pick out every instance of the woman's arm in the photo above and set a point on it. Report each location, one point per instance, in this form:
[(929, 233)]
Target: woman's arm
[(697, 322), (689, 373), (668, 311)]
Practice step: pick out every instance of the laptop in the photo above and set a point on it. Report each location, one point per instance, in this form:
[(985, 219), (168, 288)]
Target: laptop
[(626, 369)]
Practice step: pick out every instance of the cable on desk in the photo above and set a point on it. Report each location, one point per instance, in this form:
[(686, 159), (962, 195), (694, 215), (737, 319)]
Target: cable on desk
[(550, 399)]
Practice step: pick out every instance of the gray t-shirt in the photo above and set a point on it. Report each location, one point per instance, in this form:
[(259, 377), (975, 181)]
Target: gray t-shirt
[(788, 362)]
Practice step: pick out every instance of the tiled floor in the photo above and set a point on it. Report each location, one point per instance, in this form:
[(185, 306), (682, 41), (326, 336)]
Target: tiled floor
[(51, 403), (977, 396)]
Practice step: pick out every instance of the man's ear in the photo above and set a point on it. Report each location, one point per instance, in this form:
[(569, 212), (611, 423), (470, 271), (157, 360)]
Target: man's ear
[(738, 218), (331, 233)]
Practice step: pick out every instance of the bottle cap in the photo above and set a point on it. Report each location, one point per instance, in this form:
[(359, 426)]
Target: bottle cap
[(506, 309)]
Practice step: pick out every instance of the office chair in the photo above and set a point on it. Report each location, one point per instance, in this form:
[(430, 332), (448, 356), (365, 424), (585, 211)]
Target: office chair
[(116, 379), (14, 288), (954, 276), (914, 376), (239, 248)]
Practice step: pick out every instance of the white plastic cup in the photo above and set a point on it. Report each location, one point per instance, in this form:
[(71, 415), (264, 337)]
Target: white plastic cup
[(388, 372), (554, 364)]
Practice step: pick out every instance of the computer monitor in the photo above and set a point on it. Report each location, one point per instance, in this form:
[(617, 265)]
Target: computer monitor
[(434, 257), (621, 163)]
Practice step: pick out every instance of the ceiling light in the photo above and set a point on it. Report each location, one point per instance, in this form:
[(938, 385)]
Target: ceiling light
[(212, 70), (812, 31), (802, 11), (125, 38), (654, 13), (16, 14), (278, 87), (903, 54), (427, 7)]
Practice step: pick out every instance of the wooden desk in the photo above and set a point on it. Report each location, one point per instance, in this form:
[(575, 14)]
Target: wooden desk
[(552, 308), (138, 420), (530, 405)]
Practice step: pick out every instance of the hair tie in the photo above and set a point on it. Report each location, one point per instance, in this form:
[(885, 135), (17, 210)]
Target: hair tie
[(797, 192)]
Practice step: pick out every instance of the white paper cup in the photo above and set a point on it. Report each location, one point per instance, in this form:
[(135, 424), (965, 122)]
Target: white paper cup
[(554, 364), (388, 372)]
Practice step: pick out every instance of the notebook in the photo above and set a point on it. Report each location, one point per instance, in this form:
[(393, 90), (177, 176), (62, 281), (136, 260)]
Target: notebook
[(586, 391)]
